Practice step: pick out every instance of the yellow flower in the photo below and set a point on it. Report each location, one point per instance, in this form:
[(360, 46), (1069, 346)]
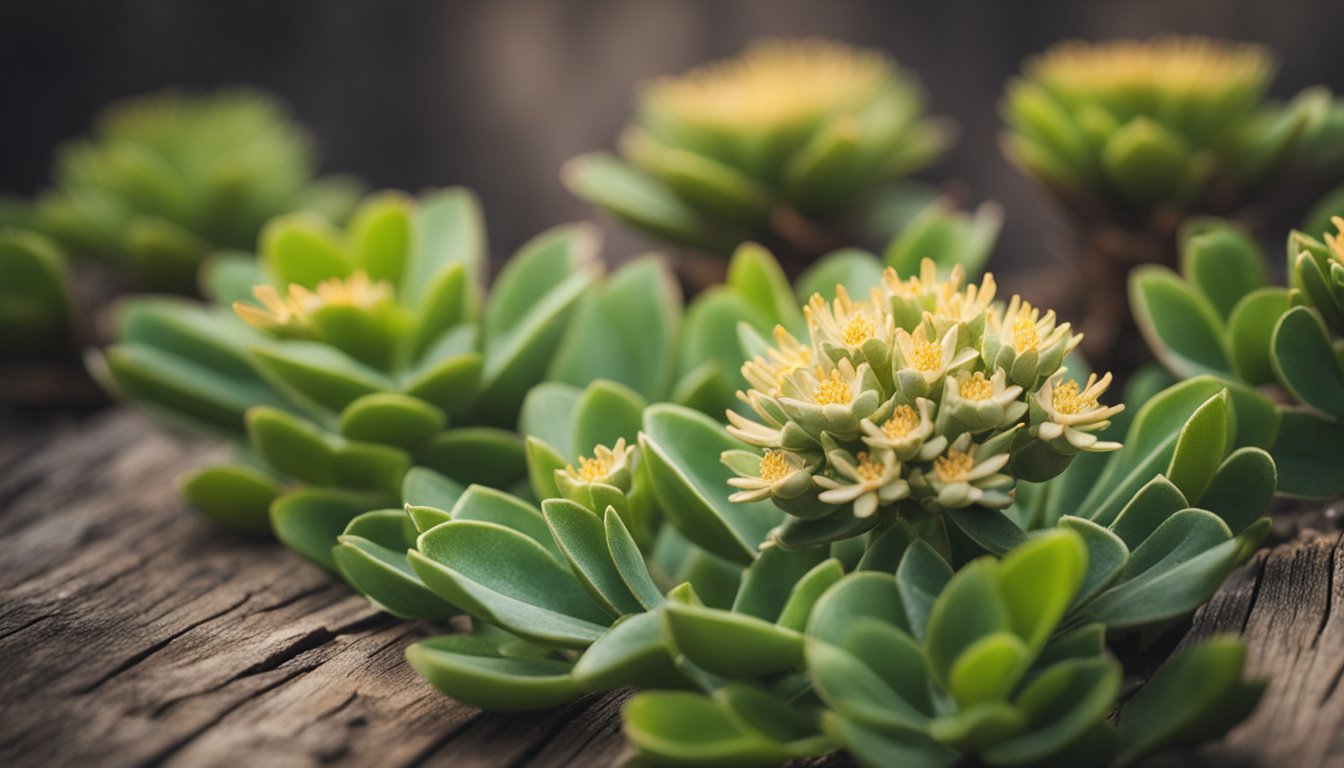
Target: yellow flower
[(292, 311), (765, 374), (1065, 415), (1124, 69), (1335, 240), (773, 84), (846, 323)]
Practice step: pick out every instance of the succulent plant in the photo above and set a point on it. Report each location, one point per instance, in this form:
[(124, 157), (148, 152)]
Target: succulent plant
[(37, 316), (166, 179), (1160, 128), (773, 668), (1220, 316), (1133, 137), (778, 145), (933, 668)]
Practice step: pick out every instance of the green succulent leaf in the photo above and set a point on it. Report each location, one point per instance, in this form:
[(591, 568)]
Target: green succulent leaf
[(371, 556), (476, 673), (1306, 455), (1182, 327), (1306, 363), (310, 521), (233, 495)]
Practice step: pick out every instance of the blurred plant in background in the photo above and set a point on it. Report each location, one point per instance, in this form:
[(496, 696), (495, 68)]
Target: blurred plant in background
[(1132, 137), (168, 178), (164, 181), (783, 144)]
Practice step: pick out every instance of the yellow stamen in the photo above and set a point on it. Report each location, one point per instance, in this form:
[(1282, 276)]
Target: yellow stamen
[(590, 470), (1067, 400), (858, 330), (902, 422), (953, 466), (832, 391), (774, 466), (1025, 336), (1171, 63), (926, 355), (869, 471), (976, 387)]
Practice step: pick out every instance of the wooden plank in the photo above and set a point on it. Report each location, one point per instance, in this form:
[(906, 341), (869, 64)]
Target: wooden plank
[(134, 633)]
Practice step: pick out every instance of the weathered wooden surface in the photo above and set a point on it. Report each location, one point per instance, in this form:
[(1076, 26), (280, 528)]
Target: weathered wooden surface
[(133, 633)]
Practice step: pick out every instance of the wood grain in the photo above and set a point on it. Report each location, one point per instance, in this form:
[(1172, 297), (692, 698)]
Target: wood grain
[(133, 633)]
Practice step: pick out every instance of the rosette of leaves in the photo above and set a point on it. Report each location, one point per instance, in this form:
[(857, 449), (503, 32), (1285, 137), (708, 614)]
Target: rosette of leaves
[(37, 317), (1137, 134), (923, 398), (1221, 316), (374, 350), (780, 145), (166, 179), (935, 668)]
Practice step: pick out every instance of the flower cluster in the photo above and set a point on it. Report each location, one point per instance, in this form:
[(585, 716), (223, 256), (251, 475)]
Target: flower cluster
[(926, 396)]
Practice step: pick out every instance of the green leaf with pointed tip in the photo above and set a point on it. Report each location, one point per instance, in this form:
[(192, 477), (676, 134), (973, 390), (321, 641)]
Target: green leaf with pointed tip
[(447, 306), (632, 652), (975, 728), (423, 487), (380, 235), (533, 301), (989, 528), (1038, 581), (371, 556), (683, 728), (1106, 557), (389, 418), (370, 466), (507, 579), (755, 275), (1172, 590), (542, 464), (870, 594), (293, 446), (184, 389), (318, 373), (583, 541), (642, 201), (625, 331), (1197, 694), (494, 506), (716, 188), (988, 669), (859, 271), (1061, 705), (1225, 264), (806, 592), (548, 415), (1305, 362), (767, 582), (681, 449), (630, 561), (1181, 326), (710, 335), (731, 645), (484, 455), (876, 698), (233, 495), (920, 578), (303, 248), (1201, 446), (310, 520), (446, 230), (1151, 506), (1307, 453), (450, 383), (229, 276), (1250, 329), (1242, 488), (475, 673), (970, 607), (424, 518), (605, 412)]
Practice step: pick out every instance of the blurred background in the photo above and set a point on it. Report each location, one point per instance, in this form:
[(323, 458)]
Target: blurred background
[(497, 94)]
